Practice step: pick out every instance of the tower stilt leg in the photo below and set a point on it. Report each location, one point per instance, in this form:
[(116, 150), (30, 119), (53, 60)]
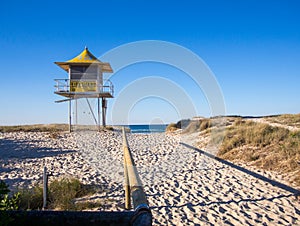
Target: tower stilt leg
[(70, 116), (103, 112), (99, 114)]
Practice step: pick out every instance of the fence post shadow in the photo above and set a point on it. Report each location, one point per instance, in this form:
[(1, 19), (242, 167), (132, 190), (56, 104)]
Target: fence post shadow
[(280, 185)]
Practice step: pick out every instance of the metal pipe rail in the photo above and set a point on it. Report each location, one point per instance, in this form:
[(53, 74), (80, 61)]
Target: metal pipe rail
[(63, 85), (134, 189)]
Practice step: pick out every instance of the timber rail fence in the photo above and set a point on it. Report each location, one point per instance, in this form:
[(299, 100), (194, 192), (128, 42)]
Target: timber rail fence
[(140, 216), (134, 188)]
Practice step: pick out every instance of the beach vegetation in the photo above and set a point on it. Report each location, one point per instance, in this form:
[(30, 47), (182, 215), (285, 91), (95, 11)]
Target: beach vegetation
[(62, 195), (190, 126), (286, 119), (52, 129), (171, 127), (31, 199), (35, 128), (263, 145), (63, 192), (198, 125), (182, 124), (7, 202)]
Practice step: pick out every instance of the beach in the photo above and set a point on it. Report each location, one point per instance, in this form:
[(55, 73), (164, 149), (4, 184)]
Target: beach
[(183, 185)]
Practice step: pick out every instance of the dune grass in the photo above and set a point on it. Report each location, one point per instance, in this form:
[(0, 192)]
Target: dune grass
[(259, 144), (190, 126), (171, 127), (206, 124), (35, 128), (61, 196), (263, 145), (286, 119), (51, 128)]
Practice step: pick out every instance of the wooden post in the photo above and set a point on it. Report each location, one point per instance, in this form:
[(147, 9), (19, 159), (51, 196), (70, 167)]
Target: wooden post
[(76, 112), (45, 188), (142, 214), (98, 114), (70, 116), (103, 112)]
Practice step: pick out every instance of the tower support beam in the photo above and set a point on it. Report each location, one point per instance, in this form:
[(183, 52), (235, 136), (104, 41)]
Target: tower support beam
[(70, 115), (99, 114), (104, 106)]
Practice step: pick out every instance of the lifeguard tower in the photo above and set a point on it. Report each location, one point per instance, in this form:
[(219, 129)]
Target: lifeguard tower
[(85, 80)]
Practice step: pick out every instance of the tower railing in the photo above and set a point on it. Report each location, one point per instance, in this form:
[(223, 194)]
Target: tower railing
[(63, 86)]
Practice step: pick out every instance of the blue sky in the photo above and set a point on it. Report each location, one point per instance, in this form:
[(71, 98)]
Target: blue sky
[(252, 47)]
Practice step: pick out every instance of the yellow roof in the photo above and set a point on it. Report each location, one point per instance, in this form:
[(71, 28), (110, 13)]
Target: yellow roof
[(85, 58)]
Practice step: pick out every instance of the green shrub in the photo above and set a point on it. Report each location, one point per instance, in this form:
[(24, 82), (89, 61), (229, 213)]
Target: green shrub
[(61, 195), (6, 202), (62, 192), (31, 199)]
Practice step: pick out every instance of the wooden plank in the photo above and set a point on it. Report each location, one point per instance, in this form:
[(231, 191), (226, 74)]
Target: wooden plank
[(45, 188), (69, 218)]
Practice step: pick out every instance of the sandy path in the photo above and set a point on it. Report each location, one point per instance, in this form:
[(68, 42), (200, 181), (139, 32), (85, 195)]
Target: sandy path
[(184, 187), (91, 157), (192, 189)]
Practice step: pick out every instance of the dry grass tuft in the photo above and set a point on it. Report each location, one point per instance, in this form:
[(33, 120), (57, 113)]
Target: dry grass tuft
[(31, 199), (190, 126), (286, 119), (198, 125), (62, 195), (171, 127), (182, 124), (268, 147), (35, 128), (53, 129)]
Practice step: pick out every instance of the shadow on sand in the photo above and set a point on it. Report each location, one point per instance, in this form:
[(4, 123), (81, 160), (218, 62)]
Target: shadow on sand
[(189, 205), (293, 191), (244, 170), (16, 151), (19, 149)]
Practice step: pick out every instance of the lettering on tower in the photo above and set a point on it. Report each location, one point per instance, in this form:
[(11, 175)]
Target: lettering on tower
[(83, 86)]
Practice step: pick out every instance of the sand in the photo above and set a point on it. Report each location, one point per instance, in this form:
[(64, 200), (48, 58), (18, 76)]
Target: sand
[(274, 124), (183, 185)]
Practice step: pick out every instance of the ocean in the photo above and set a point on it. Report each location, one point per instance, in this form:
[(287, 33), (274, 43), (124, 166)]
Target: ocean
[(157, 128)]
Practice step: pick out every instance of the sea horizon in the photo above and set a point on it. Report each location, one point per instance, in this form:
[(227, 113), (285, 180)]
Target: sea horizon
[(146, 128)]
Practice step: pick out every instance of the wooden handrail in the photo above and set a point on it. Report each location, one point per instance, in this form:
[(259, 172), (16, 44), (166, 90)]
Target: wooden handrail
[(134, 188)]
